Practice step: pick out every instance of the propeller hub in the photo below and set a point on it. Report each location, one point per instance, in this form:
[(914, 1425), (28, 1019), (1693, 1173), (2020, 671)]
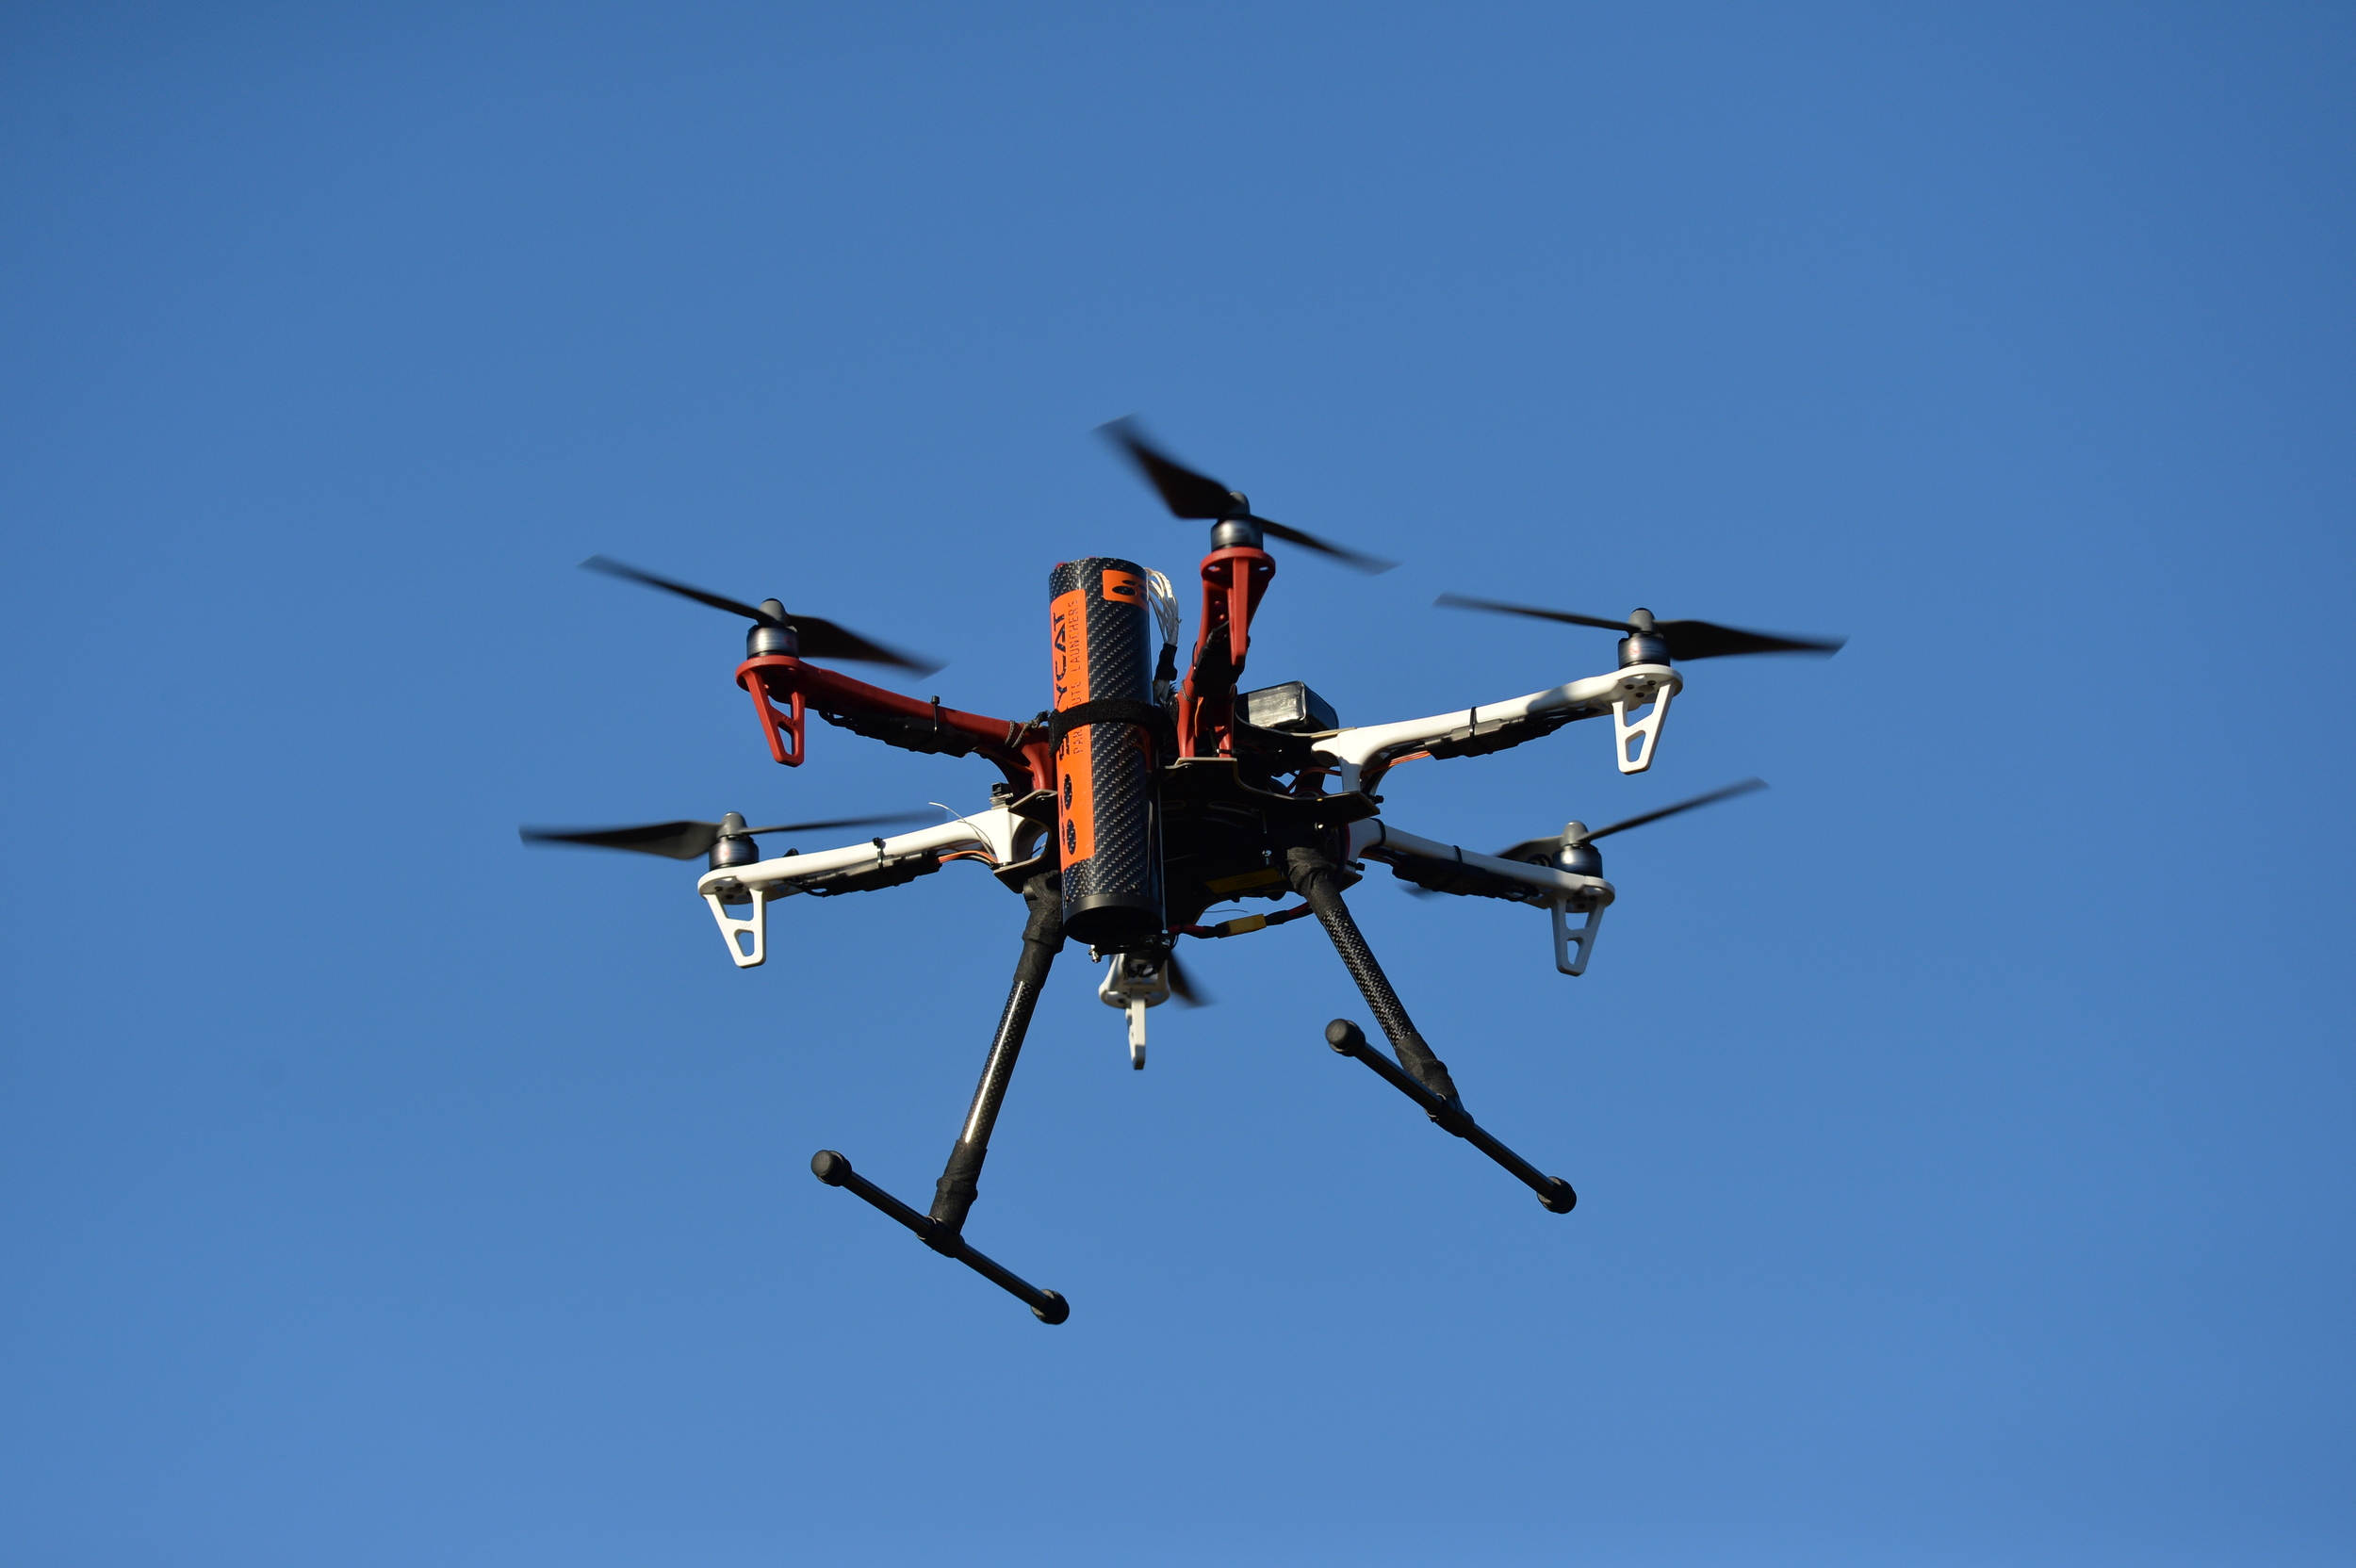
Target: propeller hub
[(773, 635), (1643, 646), (1578, 855), (734, 847), (1233, 533)]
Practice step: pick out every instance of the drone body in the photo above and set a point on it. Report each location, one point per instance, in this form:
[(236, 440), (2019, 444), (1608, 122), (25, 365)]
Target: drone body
[(1138, 801)]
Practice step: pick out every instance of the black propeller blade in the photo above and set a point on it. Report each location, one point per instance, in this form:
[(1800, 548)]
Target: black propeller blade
[(1529, 848), (1181, 989), (1188, 494), (1713, 797), (684, 840), (1686, 638), (819, 639)]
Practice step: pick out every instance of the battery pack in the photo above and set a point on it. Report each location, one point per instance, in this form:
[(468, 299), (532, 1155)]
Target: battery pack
[(1101, 634)]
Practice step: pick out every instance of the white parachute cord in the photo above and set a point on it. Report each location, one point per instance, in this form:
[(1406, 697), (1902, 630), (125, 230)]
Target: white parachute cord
[(1166, 615)]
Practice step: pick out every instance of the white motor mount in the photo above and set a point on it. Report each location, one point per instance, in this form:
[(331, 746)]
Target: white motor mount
[(1644, 731), (748, 937), (1565, 937)]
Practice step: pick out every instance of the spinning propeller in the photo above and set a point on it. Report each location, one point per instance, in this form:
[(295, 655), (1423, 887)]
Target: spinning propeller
[(1183, 989), (774, 629), (1578, 833), (1685, 639), (1572, 849), (684, 840), (1191, 495)]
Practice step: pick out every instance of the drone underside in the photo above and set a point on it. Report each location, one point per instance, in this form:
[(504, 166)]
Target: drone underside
[(1140, 802)]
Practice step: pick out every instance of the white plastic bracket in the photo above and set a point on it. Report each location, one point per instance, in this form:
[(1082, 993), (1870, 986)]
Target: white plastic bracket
[(747, 940), (1645, 732), (1132, 992), (1564, 938)]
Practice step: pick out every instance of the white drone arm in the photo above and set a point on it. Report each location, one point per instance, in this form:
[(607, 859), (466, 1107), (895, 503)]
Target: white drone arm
[(1473, 873), (997, 835), (1450, 869), (1365, 752)]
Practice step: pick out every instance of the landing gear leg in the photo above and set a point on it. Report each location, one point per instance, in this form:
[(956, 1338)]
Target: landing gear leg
[(1417, 1074), (943, 1229)]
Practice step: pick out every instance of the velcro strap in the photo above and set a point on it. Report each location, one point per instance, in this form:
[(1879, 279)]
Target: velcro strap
[(1150, 716)]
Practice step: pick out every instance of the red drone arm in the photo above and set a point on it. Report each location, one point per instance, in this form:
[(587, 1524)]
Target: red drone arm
[(1021, 751), (1235, 580)]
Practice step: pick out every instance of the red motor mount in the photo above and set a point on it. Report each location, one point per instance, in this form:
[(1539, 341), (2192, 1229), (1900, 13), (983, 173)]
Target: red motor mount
[(1234, 578)]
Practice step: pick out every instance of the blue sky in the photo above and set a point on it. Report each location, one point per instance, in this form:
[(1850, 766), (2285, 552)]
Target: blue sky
[(1961, 1129)]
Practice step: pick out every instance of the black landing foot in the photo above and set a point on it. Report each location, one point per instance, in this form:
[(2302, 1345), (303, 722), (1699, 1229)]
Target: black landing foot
[(833, 1169), (1351, 1041)]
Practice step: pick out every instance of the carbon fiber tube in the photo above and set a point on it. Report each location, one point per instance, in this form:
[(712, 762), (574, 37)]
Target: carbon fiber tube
[(1101, 637), (1042, 938), (1553, 1192), (1312, 876), (833, 1169)]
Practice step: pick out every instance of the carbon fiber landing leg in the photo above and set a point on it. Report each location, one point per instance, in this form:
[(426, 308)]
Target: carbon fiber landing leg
[(943, 1230), (1419, 1074)]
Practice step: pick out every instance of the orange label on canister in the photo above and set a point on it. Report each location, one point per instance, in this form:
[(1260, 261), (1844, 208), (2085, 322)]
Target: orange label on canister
[(1076, 794), (1123, 587), (1068, 627), (1075, 758)]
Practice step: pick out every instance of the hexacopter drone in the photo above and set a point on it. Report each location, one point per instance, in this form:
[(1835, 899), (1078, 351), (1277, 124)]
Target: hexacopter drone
[(1139, 800)]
